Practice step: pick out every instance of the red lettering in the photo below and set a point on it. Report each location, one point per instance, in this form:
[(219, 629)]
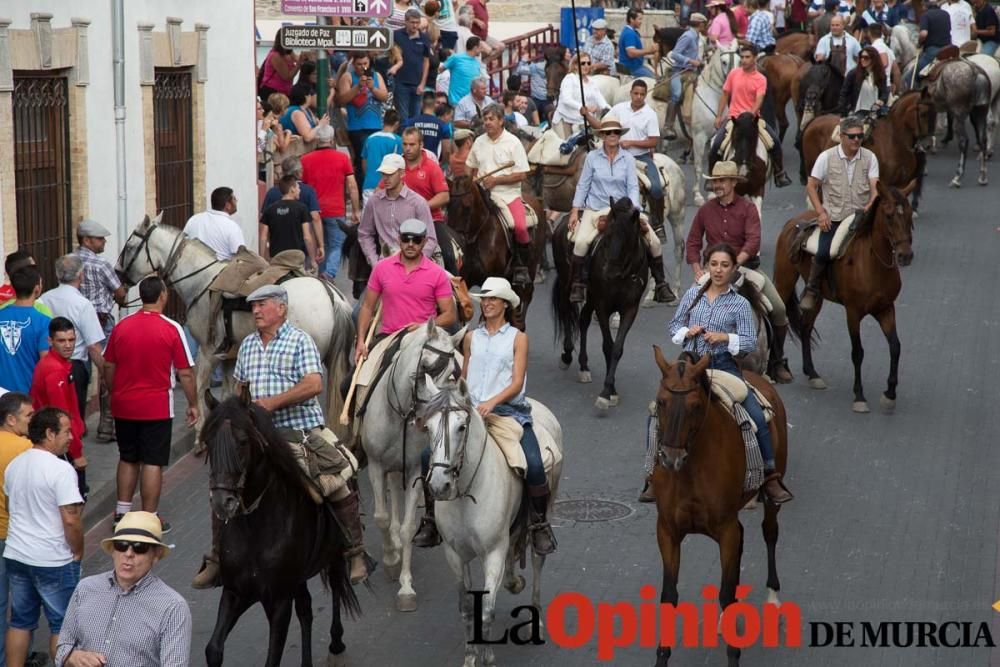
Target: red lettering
[(710, 616), (688, 614), (730, 628), (647, 617), (607, 638), (555, 620), (773, 616)]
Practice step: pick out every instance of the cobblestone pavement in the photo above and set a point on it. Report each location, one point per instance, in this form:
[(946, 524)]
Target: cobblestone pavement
[(895, 517)]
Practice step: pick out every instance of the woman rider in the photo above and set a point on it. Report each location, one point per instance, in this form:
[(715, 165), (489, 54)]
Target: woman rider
[(716, 320), (495, 368), (866, 88)]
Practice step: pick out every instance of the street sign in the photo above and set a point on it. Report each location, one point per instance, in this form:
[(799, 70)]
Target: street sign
[(376, 8), (336, 38)]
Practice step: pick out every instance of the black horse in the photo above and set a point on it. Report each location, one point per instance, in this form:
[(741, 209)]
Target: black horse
[(275, 538), (619, 271), (820, 94)]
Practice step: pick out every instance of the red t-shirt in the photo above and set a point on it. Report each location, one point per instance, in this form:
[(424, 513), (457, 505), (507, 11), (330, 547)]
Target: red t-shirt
[(146, 348), (52, 385), (480, 12), (427, 180), (742, 20), (7, 293), (327, 169), (743, 89)]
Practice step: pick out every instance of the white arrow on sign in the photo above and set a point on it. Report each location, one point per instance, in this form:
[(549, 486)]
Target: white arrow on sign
[(376, 39), (378, 6)]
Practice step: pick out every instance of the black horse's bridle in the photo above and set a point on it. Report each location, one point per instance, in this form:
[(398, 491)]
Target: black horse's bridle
[(237, 489)]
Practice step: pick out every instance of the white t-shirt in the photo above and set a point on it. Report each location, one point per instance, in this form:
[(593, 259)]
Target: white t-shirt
[(962, 19), (568, 108), (880, 46), (777, 8), (67, 301), (216, 230), (641, 124), (822, 165), (37, 484)]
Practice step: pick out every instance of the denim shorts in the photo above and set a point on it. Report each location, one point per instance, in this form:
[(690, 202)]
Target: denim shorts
[(32, 587)]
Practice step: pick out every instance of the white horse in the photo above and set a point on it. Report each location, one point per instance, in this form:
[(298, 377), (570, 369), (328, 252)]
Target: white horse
[(901, 42), (188, 267), (479, 500), (707, 92), (393, 444), (990, 65)]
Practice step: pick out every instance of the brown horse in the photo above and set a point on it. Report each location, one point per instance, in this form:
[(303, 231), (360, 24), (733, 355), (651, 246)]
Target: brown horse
[(865, 280), (796, 44), (698, 479), (782, 71), (752, 166), (896, 141), (485, 241)]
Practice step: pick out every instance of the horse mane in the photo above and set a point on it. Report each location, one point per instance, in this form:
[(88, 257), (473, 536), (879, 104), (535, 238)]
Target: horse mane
[(448, 394), (678, 408), (623, 238), (867, 225)]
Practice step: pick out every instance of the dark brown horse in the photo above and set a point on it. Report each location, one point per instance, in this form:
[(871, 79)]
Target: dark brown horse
[(896, 141), (796, 44), (699, 474), (819, 94), (485, 241), (865, 280), (745, 136), (782, 72)]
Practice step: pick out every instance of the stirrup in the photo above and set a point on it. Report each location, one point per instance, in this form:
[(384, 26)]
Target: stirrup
[(542, 530), (783, 496), (427, 535)]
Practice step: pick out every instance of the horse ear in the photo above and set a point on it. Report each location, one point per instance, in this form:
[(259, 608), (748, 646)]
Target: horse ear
[(660, 360), (429, 384), (244, 395), (910, 187), (463, 388), (210, 402), (458, 337), (158, 218), (430, 326), (702, 364)]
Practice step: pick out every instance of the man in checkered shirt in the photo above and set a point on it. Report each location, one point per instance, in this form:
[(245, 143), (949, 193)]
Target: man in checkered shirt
[(281, 368)]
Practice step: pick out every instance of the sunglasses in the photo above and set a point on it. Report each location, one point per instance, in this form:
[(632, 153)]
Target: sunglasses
[(864, 58), (614, 132), (854, 137), (412, 238), (585, 64), (140, 548)]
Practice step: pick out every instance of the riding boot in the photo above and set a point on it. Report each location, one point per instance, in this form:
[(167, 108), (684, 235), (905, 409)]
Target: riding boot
[(522, 257), (647, 495), (578, 289), (348, 514), (661, 292), (668, 127), (106, 425), (208, 575), (774, 489), (779, 371), (810, 296), (543, 540), (781, 179), (427, 535)]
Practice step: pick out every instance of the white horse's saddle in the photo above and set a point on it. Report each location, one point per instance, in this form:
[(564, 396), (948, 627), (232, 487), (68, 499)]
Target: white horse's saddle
[(545, 151), (506, 432), (838, 245), (662, 163), (727, 142), (731, 390), (755, 278)]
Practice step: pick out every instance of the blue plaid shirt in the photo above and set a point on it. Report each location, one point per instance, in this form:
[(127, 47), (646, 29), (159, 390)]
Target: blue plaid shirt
[(99, 280), (268, 371), (730, 313), (759, 31)]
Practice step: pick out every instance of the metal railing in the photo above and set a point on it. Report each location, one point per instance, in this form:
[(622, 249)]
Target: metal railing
[(500, 65)]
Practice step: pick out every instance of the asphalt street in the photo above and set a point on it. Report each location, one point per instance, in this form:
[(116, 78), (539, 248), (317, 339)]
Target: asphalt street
[(895, 517)]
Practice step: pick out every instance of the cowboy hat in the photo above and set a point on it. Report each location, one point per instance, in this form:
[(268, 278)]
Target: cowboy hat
[(610, 123), (726, 169), (497, 288), (142, 527)]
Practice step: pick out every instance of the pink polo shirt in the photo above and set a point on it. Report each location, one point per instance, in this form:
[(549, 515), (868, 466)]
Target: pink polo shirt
[(408, 297)]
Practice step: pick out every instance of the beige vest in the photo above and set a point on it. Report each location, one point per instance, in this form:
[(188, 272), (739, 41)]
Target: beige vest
[(841, 198)]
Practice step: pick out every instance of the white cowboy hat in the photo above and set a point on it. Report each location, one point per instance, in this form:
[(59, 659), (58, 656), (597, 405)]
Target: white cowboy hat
[(611, 123), (142, 527), (725, 169), (497, 288)]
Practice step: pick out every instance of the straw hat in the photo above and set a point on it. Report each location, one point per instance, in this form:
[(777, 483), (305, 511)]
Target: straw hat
[(611, 123), (138, 527), (726, 169), (498, 288)]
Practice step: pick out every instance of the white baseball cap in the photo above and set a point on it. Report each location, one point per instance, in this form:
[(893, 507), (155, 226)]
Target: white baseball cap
[(391, 163)]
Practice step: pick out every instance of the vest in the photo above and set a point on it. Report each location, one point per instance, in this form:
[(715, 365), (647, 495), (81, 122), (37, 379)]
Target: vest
[(841, 198), (491, 365)]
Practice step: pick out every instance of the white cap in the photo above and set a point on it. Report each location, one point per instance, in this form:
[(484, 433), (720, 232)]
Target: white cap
[(413, 226), (599, 24), (392, 163)]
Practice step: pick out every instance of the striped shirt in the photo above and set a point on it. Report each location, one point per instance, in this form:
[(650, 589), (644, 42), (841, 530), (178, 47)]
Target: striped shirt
[(147, 626), (99, 280), (268, 371), (759, 30), (601, 52), (730, 313)]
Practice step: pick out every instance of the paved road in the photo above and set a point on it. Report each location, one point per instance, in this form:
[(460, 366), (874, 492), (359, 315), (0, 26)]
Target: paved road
[(895, 517)]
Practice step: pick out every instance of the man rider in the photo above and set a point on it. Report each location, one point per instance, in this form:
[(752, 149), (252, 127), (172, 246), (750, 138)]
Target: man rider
[(685, 57), (744, 91), (839, 48), (848, 174), (934, 35)]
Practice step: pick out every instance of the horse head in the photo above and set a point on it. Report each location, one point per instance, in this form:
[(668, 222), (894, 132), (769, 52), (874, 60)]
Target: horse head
[(141, 254), (624, 239), (433, 352), (448, 418), (666, 38), (682, 403), (892, 217), (555, 69), (821, 80), (744, 139)]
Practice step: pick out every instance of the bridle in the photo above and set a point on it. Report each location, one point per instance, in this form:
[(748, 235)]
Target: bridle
[(455, 470), (893, 261), (661, 449), (237, 489)]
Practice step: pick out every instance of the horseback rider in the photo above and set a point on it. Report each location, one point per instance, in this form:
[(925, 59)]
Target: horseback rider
[(848, 175), (685, 59), (744, 91), (500, 156), (608, 173), (866, 89), (730, 218), (934, 35), (839, 47), (280, 366), (495, 367), (713, 319), (642, 133)]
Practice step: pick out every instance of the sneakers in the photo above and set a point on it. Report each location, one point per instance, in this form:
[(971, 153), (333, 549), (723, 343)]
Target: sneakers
[(114, 521), (165, 526)]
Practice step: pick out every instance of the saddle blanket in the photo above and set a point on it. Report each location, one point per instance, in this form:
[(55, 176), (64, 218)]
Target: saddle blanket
[(662, 163), (530, 217), (840, 241), (247, 271), (546, 151), (727, 141), (507, 433), (755, 278)]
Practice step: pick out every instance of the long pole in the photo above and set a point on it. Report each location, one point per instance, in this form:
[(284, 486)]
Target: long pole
[(579, 73)]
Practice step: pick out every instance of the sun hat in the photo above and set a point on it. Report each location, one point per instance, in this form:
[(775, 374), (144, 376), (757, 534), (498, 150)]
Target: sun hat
[(726, 169), (391, 163), (610, 123), (267, 292), (498, 288), (92, 228), (413, 226), (137, 526), (599, 24)]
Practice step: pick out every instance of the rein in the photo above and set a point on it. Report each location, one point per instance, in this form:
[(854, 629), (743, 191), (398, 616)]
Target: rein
[(456, 469), (180, 242), (237, 489), (660, 455)]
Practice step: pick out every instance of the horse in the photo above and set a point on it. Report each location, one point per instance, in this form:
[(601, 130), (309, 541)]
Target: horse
[(897, 141), (699, 476), (393, 446), (619, 271), (751, 157), (188, 266), (795, 43), (819, 94), (865, 280), (991, 66), (782, 72), (275, 538), (707, 92), (481, 509), (480, 231)]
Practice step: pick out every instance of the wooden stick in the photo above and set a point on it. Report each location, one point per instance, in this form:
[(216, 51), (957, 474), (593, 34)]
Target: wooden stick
[(345, 416), (505, 165)]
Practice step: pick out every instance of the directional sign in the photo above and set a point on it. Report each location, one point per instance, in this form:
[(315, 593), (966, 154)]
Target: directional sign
[(336, 38), (337, 7)]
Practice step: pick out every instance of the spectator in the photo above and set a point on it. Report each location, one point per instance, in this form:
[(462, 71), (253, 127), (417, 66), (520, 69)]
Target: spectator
[(534, 69), (329, 172), (216, 227), (157, 618), (388, 207), (411, 74), (798, 15), (397, 20), (144, 352), (465, 32), (423, 175), (471, 106), (45, 540), (287, 224), (444, 21), (464, 68), (362, 92), (433, 130), (25, 331), (69, 302), (307, 196), (511, 114), (377, 146), (16, 410), (300, 117), (600, 48), (16, 260), (531, 110), (269, 125), (307, 72), (54, 384), (987, 27), (631, 52), (817, 9), (278, 72), (277, 104), (777, 9), (962, 19), (742, 16)]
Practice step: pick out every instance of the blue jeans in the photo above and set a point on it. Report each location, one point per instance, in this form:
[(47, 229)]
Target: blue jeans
[(926, 56), (676, 87), (333, 241), (33, 587), (642, 70), (408, 100), (989, 48), (725, 362), (653, 174)]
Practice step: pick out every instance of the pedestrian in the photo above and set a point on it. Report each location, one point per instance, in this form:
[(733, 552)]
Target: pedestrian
[(986, 27), (600, 49), (330, 173), (433, 130), (286, 224), (465, 69), (142, 355), (216, 227), (424, 176), (54, 385), (45, 539), (962, 19), (411, 74), (387, 209), (361, 91), (377, 146), (307, 196), (16, 410), (14, 261), (25, 331), (631, 52), (127, 615)]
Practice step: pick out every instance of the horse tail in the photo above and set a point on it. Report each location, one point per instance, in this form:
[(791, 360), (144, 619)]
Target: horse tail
[(565, 314), (337, 580), (338, 360), (796, 325)]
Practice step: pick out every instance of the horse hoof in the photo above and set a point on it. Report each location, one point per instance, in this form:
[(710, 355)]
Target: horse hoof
[(984, 181), (888, 405), (751, 505), (393, 571), (817, 383), (955, 183), (860, 407), (336, 660), (406, 602), (615, 399), (516, 585), (585, 377), (602, 404), (563, 365)]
